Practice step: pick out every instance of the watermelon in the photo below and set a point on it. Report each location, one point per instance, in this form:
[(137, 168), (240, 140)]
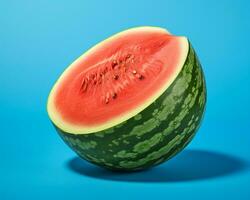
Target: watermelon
[(132, 101)]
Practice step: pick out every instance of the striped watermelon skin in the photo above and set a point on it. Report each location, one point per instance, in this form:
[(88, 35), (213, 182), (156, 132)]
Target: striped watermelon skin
[(154, 135)]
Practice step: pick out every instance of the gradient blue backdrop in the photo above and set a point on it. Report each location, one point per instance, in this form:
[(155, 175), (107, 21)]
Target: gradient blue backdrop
[(39, 38)]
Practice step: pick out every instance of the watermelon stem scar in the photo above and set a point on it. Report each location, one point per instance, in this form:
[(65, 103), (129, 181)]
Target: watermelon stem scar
[(132, 101)]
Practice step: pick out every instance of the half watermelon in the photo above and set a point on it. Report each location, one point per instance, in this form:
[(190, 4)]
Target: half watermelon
[(132, 101)]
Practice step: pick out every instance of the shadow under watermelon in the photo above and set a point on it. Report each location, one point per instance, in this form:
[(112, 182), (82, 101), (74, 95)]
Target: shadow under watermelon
[(190, 165)]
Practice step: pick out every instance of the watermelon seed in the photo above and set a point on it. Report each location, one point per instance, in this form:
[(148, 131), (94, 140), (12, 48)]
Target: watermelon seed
[(114, 95), (107, 100), (115, 76), (95, 79), (139, 76), (84, 86)]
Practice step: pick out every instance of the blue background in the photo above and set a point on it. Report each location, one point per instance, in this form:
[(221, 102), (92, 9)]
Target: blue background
[(38, 39)]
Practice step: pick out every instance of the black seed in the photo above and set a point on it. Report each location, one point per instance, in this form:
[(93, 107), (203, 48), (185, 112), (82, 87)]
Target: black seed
[(107, 100), (115, 77), (139, 76), (84, 85), (114, 95)]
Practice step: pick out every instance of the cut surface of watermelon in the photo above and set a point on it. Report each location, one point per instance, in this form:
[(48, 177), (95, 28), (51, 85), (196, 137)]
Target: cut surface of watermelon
[(116, 79)]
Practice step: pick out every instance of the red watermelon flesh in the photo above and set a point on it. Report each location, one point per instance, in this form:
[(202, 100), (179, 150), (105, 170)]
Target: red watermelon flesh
[(116, 76)]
